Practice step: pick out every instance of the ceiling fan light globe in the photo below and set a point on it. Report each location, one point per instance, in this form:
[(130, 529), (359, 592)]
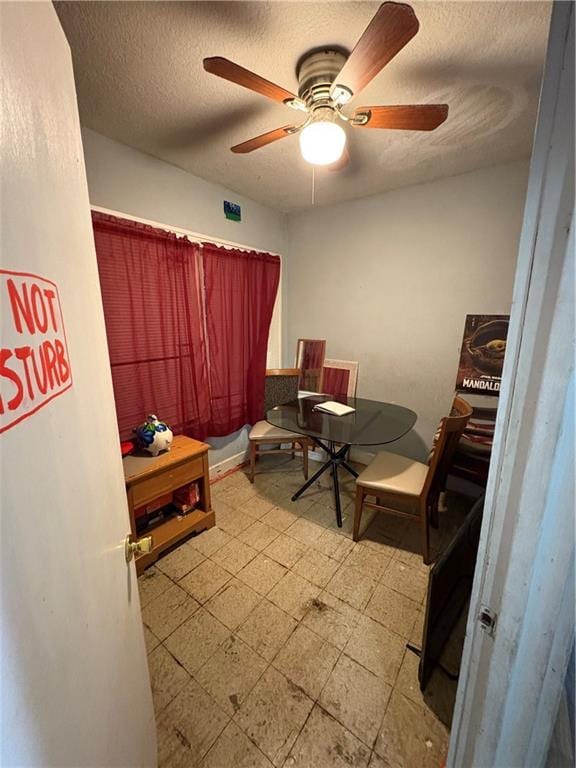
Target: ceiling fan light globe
[(322, 142)]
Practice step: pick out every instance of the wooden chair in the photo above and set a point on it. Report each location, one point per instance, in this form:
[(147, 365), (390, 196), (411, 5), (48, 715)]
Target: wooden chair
[(310, 354), (339, 377), (408, 488), (281, 387)]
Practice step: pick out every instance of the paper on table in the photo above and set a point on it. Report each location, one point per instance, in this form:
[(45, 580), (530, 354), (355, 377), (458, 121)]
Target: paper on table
[(335, 409)]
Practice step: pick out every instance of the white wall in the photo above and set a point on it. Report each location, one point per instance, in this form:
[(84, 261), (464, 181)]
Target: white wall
[(388, 280), (126, 180)]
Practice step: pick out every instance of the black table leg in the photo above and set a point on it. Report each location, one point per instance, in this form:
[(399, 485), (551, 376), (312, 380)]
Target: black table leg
[(336, 458), (313, 479), (337, 496)]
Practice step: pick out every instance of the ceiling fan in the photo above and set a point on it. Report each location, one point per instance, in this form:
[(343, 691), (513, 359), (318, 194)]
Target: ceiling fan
[(327, 79)]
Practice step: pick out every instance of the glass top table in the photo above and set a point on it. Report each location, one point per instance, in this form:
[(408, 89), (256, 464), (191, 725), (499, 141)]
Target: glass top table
[(371, 423)]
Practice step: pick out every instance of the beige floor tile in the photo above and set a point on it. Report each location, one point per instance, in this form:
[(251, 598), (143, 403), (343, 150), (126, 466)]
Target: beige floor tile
[(326, 499), (167, 611), (258, 506), (195, 641), (324, 743), (406, 580), (418, 630), (232, 521), (262, 574), (320, 514), (234, 556), (150, 639), (390, 527), (377, 762), (369, 560), (305, 532), (188, 727), (205, 580), (293, 594), (307, 660), (377, 648), (266, 629), (378, 537), (278, 493), (440, 693), (411, 554), (273, 714), (235, 750), (232, 604), (231, 673), (151, 584), (356, 698), (180, 561), (333, 545), (285, 550), (410, 735), (241, 495), (209, 541), (393, 610), (259, 535), (352, 585), (167, 677), (280, 518), (331, 618), (302, 503), (316, 568)]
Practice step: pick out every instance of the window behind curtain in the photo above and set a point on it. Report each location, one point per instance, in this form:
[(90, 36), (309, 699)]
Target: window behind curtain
[(187, 331)]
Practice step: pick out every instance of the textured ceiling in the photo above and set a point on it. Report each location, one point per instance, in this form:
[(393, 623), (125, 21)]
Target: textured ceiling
[(140, 81)]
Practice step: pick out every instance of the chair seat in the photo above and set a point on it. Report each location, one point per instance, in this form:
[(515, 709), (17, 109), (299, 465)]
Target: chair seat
[(394, 473), (263, 430)]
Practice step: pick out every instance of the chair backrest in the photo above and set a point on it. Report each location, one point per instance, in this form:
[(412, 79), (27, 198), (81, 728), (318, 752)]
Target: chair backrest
[(310, 354), (281, 387), (339, 377), (448, 437)]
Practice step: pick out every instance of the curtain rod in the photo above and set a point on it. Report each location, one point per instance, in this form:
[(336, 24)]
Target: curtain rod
[(197, 237)]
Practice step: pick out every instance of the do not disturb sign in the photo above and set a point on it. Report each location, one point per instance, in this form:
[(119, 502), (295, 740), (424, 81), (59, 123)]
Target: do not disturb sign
[(34, 363)]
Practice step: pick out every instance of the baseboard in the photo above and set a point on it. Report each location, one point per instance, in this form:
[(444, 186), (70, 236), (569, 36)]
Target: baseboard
[(223, 467)]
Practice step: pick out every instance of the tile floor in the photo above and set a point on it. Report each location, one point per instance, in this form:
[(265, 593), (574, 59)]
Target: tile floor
[(274, 640)]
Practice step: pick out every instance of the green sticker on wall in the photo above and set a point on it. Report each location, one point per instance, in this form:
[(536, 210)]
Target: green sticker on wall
[(232, 211)]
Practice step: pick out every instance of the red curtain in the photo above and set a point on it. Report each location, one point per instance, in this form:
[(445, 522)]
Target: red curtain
[(152, 297), (187, 327), (240, 293)]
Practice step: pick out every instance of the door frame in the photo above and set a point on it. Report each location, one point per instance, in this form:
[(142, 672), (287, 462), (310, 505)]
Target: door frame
[(512, 677)]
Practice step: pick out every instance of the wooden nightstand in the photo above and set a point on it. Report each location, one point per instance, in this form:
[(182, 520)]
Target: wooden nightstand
[(149, 477)]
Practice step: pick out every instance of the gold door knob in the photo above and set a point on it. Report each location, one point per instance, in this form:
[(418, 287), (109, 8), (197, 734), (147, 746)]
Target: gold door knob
[(140, 547)]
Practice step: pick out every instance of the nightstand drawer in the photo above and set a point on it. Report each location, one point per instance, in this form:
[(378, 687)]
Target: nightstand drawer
[(163, 482)]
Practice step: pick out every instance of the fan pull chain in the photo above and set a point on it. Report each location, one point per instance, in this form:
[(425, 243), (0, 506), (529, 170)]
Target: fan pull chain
[(313, 183)]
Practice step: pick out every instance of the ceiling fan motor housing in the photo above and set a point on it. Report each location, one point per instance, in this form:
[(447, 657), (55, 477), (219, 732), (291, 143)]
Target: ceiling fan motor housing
[(316, 72)]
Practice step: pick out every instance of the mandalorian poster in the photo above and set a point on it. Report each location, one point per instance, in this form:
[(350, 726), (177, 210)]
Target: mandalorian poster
[(482, 354)]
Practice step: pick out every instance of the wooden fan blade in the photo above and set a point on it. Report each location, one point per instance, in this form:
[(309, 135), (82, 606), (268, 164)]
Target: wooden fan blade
[(263, 139), (237, 74), (415, 117), (392, 27)]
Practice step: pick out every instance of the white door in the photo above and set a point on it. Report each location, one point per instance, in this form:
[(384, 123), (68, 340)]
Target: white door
[(74, 678), (512, 676)]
